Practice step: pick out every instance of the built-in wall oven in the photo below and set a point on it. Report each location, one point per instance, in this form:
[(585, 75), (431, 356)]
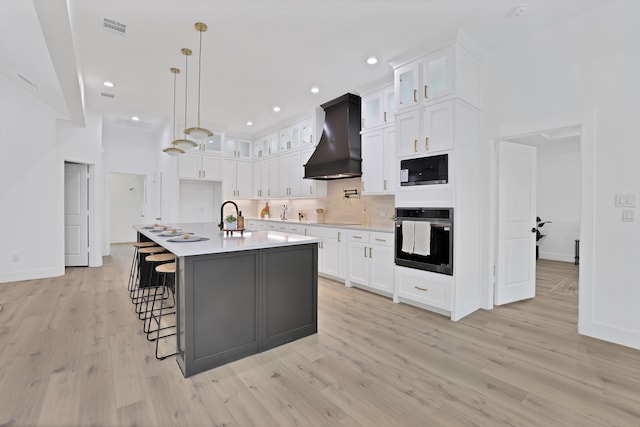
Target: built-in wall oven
[(424, 239)]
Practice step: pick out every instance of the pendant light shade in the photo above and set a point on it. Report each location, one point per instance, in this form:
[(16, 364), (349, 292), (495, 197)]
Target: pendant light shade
[(174, 150), (199, 132), (185, 144)]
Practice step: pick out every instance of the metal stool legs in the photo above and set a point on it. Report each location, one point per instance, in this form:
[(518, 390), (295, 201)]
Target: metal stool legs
[(164, 269)]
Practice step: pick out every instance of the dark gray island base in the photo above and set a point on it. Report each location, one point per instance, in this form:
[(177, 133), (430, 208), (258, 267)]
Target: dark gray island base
[(235, 304)]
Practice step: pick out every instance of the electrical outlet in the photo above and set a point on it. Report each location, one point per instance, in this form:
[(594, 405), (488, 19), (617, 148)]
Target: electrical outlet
[(382, 214)]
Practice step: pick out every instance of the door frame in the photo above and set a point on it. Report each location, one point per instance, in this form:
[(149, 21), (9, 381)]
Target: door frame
[(586, 212), (95, 250)]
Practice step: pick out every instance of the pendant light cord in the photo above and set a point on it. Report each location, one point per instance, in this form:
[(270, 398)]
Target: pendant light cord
[(174, 108), (199, 75), (186, 80)]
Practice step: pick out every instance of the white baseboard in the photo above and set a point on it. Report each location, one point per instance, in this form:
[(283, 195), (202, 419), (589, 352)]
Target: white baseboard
[(43, 273), (555, 256)]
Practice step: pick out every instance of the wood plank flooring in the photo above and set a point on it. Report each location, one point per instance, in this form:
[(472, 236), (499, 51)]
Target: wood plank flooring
[(72, 353)]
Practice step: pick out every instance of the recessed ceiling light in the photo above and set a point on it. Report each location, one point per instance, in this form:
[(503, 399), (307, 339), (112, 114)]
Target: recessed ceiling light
[(108, 84), (249, 123), (276, 109), (135, 118), (315, 90), (372, 60)]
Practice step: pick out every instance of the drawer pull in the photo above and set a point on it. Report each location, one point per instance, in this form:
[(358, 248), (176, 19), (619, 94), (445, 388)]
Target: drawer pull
[(357, 237), (380, 240), (421, 289), (426, 91)]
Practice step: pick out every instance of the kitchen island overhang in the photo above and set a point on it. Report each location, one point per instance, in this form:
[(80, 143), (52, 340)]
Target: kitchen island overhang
[(238, 296)]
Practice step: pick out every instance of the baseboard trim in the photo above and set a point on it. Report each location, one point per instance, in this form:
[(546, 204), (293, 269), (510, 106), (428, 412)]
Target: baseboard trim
[(43, 273), (554, 256)]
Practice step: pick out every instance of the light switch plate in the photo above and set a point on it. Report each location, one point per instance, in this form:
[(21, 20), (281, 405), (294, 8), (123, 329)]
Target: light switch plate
[(628, 215)]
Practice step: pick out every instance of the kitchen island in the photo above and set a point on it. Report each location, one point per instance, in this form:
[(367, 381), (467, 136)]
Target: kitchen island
[(239, 295)]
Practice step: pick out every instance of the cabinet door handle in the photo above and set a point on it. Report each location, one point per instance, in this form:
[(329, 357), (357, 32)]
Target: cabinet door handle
[(385, 117), (385, 184), (310, 189), (421, 289), (426, 91), (363, 186), (371, 253), (365, 251), (415, 145), (269, 192), (426, 143), (339, 236), (415, 95), (204, 174)]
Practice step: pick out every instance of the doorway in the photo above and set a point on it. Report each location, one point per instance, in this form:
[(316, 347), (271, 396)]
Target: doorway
[(557, 196), (127, 198), (76, 215)]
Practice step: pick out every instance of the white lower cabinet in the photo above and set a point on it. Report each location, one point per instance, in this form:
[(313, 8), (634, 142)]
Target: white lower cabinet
[(370, 261), (330, 251), (423, 289)]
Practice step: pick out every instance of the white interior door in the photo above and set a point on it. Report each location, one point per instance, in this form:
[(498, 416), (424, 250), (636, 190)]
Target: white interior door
[(516, 278), (76, 215)]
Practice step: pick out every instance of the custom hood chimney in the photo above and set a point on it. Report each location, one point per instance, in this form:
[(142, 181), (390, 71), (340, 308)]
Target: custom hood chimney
[(338, 152)]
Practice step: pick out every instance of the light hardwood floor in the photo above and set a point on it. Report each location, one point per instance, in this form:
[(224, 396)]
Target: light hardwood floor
[(72, 354)]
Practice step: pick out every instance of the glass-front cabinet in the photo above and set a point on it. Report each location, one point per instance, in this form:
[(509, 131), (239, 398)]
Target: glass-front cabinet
[(437, 75), (306, 132), (238, 148), (213, 144), (378, 108), (406, 85)]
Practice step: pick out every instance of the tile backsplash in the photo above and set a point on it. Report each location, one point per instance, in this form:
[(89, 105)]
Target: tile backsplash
[(380, 209)]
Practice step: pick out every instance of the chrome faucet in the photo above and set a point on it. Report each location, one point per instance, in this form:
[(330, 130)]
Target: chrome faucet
[(221, 225), (283, 215)]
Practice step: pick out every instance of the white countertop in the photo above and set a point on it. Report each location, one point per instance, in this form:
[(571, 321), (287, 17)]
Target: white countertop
[(351, 226), (219, 242)]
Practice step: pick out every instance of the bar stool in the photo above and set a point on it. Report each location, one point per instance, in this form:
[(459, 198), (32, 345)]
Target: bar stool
[(142, 278), (165, 270), (153, 284), (133, 272)]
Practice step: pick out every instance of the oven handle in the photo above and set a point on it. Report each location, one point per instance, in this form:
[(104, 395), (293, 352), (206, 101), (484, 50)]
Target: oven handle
[(439, 224)]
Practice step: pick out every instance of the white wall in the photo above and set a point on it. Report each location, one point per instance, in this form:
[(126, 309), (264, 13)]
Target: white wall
[(129, 150), (583, 71), (127, 195), (558, 199), (200, 201), (32, 244)]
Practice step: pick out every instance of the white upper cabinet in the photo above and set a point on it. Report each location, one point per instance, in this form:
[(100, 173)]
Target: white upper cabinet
[(284, 140), (199, 166), (437, 74), (237, 148), (407, 84), (378, 108), (237, 179), (273, 144), (378, 161), (448, 71), (290, 138), (438, 126), (213, 144), (306, 132)]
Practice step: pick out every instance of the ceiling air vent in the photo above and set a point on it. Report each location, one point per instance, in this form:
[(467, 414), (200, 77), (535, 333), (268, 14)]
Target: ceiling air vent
[(108, 95), (114, 26)]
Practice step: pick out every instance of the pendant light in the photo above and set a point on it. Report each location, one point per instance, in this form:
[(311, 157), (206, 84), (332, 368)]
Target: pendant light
[(198, 132), (185, 144), (174, 150)]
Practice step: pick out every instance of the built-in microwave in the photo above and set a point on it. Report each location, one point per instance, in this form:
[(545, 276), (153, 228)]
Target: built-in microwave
[(425, 170)]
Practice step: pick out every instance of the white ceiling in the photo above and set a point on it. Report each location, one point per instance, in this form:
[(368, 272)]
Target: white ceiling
[(256, 53)]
